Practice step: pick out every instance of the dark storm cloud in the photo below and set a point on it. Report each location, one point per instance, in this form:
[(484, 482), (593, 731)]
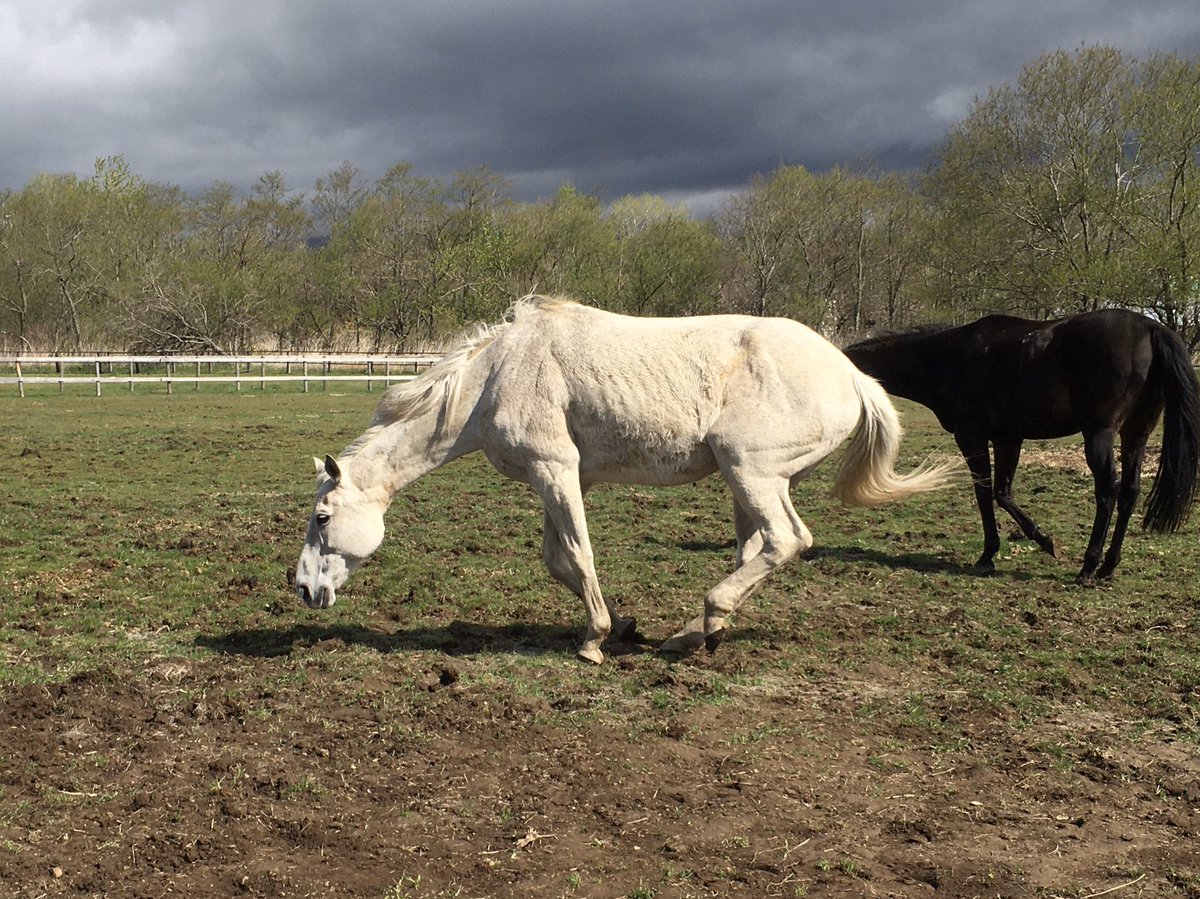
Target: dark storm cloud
[(680, 98)]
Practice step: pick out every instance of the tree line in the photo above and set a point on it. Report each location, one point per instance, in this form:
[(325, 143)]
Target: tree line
[(1074, 188)]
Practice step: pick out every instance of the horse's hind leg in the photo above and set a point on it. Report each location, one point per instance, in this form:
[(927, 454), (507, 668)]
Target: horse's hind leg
[(1133, 449), (1098, 450), (564, 570), (1008, 453), (749, 539), (767, 506), (749, 544)]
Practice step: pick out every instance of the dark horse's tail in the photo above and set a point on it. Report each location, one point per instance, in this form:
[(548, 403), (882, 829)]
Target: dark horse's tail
[(1176, 484)]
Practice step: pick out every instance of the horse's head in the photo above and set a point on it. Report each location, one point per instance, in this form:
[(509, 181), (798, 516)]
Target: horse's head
[(345, 528)]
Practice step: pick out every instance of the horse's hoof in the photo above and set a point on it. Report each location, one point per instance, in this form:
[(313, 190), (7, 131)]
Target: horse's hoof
[(629, 633), (1086, 579), (713, 640), (680, 646), (984, 567), (594, 656), (1054, 547)]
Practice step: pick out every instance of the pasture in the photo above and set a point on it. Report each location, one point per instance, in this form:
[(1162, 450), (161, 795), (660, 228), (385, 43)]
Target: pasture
[(880, 721)]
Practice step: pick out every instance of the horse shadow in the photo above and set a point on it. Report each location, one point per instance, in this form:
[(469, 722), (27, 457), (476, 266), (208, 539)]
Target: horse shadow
[(466, 638), (911, 561), (458, 638), (927, 563)]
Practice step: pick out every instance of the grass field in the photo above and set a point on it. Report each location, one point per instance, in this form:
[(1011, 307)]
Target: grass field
[(883, 708)]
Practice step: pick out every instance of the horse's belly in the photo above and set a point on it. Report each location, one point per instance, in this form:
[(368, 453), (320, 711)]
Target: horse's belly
[(1035, 424), (646, 465)]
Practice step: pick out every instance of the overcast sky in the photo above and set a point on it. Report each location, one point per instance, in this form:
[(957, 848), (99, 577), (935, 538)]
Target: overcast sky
[(684, 98)]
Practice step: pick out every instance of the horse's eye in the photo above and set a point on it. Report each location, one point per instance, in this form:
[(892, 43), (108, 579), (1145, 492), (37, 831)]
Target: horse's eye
[(322, 519)]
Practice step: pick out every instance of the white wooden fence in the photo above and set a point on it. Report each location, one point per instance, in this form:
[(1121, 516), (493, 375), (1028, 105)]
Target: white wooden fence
[(127, 371)]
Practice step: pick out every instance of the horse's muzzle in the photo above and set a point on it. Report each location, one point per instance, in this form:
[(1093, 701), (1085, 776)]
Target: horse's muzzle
[(323, 598)]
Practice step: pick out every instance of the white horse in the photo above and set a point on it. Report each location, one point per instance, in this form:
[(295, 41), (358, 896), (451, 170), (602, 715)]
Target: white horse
[(563, 396)]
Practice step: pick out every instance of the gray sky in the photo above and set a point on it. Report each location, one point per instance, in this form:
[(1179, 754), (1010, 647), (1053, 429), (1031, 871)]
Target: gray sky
[(685, 98)]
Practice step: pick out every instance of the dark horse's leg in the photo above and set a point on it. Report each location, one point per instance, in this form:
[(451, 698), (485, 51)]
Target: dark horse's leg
[(1008, 453), (975, 451), (1134, 435), (1098, 449)]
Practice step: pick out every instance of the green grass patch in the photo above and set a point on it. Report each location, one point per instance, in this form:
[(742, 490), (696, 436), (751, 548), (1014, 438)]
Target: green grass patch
[(139, 528)]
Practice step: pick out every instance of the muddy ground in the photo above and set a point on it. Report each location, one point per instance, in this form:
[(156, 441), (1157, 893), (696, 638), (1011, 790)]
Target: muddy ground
[(274, 772)]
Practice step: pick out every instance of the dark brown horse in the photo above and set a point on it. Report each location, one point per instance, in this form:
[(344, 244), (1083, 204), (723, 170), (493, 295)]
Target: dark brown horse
[(1001, 380)]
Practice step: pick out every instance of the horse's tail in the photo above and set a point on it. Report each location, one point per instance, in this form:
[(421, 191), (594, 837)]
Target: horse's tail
[(1175, 486), (868, 476)]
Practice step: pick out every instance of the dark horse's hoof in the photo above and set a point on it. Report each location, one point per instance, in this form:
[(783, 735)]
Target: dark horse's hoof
[(629, 633), (984, 567), (713, 640)]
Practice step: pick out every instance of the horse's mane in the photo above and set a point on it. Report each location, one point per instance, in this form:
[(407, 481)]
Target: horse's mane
[(439, 385), (886, 338)]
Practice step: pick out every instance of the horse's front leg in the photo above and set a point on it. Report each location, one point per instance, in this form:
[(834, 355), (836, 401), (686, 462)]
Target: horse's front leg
[(975, 450), (1008, 453), (1098, 450), (565, 571), (557, 483)]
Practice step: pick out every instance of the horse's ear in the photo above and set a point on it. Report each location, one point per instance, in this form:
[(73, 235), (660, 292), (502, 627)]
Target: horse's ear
[(331, 468), (319, 463)]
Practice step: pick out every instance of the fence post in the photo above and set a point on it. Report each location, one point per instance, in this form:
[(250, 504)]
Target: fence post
[(20, 381), (97, 377)]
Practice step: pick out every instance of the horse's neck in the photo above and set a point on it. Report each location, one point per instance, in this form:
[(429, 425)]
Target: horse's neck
[(916, 370), (396, 454)]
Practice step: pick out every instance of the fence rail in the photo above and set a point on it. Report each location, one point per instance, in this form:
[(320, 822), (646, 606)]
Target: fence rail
[(125, 370)]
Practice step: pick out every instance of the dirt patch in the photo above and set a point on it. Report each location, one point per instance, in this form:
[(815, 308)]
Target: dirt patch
[(1070, 457), (234, 777)]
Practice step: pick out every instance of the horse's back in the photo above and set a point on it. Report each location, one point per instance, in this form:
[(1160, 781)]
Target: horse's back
[(639, 364), (1059, 377), (640, 399)]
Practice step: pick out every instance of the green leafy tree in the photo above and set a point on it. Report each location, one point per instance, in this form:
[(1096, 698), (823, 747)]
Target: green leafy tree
[(232, 279), (1164, 232), (836, 251), (668, 263), (1074, 189), (564, 246), (760, 230)]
